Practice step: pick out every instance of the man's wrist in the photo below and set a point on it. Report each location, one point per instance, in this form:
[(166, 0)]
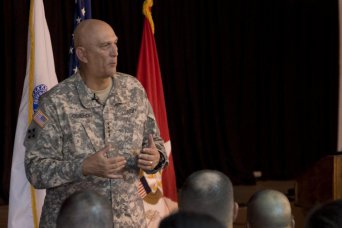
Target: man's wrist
[(161, 162)]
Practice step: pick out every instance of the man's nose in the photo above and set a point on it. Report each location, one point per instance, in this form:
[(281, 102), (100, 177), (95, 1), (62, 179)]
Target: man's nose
[(114, 51)]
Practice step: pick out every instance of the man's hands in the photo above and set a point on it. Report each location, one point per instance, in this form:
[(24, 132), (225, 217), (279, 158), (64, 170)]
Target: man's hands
[(99, 165), (149, 157)]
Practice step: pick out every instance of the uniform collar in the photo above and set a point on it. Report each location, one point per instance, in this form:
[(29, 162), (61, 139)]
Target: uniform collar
[(118, 94)]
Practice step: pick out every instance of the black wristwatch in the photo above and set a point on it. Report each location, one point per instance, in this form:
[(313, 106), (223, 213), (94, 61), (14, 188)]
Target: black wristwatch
[(161, 162)]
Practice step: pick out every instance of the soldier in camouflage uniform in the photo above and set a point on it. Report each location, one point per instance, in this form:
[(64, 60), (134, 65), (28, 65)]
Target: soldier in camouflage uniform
[(94, 131)]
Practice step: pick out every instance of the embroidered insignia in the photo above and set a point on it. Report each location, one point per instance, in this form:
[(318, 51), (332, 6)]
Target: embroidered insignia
[(31, 133), (40, 118)]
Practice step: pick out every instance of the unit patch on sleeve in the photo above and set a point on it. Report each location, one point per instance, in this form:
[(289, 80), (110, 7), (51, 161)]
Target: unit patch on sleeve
[(40, 118)]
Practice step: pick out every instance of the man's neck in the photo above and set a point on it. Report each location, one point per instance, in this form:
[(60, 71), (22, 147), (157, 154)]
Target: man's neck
[(94, 83)]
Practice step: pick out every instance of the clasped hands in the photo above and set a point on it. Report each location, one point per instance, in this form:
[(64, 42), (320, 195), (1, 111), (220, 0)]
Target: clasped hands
[(100, 165)]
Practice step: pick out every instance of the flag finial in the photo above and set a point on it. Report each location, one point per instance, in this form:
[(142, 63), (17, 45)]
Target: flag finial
[(147, 12)]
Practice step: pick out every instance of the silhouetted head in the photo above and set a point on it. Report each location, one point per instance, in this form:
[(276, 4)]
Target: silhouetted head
[(87, 210), (183, 219), (328, 215), (209, 192), (269, 209)]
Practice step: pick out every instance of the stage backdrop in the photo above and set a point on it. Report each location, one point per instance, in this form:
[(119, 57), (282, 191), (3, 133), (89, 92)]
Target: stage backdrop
[(249, 85)]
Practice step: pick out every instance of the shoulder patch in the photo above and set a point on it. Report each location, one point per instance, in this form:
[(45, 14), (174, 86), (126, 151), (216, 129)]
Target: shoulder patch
[(40, 118)]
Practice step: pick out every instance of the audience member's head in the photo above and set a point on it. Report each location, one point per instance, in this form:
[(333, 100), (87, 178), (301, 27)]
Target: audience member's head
[(269, 209), (328, 215), (209, 192), (183, 219), (85, 209)]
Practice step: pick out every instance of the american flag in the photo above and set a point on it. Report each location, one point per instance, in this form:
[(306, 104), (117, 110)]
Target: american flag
[(143, 187), (82, 12), (40, 118)]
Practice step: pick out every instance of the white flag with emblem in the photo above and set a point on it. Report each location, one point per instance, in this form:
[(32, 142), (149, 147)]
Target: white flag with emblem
[(25, 202)]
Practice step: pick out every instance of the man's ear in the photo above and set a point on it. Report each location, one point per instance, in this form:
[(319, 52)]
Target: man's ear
[(235, 211), (293, 223), (81, 54)]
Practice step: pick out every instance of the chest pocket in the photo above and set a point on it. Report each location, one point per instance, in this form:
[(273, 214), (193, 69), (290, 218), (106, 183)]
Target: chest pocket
[(86, 133), (123, 126), (127, 129)]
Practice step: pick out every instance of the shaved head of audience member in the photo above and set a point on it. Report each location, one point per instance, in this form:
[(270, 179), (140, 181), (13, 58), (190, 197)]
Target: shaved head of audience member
[(183, 219), (209, 192), (87, 210), (269, 209), (328, 215)]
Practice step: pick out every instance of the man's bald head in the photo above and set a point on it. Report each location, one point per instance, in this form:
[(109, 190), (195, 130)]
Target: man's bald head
[(87, 30), (85, 209), (326, 215), (182, 219), (96, 49), (209, 192), (269, 208)]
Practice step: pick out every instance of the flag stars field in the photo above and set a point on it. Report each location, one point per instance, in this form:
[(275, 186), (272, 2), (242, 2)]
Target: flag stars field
[(83, 11)]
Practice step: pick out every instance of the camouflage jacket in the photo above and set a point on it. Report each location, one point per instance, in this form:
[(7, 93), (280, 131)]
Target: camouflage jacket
[(69, 126)]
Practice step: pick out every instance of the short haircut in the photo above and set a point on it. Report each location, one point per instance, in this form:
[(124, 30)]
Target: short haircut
[(269, 208), (85, 209), (183, 219), (328, 215), (208, 192)]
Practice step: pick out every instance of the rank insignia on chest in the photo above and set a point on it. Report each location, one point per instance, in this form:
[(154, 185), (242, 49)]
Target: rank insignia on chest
[(40, 118)]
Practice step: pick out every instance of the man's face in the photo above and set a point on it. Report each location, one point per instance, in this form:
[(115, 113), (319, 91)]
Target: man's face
[(102, 52)]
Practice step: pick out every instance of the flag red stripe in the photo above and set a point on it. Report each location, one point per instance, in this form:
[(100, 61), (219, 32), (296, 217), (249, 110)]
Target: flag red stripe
[(169, 180), (149, 75)]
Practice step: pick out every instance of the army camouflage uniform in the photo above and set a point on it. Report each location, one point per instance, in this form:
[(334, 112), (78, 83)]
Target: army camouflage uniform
[(69, 126)]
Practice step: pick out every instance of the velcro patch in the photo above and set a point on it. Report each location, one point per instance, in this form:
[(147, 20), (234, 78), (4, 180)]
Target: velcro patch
[(40, 118)]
